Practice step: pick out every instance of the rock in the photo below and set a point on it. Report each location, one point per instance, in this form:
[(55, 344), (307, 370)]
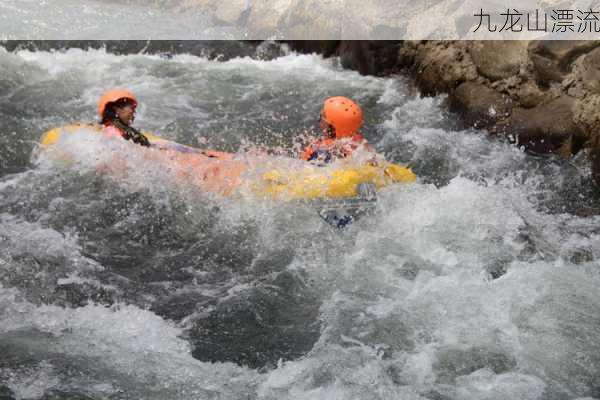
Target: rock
[(590, 71), (552, 58), (385, 55), (478, 105), (326, 48), (547, 128), (407, 54), (498, 59), (441, 67), (357, 56), (529, 95), (587, 113), (576, 91), (564, 52), (546, 70)]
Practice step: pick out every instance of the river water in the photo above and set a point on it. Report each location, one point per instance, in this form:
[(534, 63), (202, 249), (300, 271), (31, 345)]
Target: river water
[(480, 281)]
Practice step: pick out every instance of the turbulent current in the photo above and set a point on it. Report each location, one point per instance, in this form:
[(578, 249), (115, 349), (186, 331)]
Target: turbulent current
[(480, 281)]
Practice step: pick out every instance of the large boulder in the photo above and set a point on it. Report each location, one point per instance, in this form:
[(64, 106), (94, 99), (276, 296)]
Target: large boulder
[(528, 94), (442, 66), (498, 59), (369, 57), (547, 128), (552, 59), (564, 52), (407, 54), (356, 55), (587, 114), (385, 55), (478, 105), (590, 71)]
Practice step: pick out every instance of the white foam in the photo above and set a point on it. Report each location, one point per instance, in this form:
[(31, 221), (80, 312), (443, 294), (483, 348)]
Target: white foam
[(126, 338), (35, 383), (484, 384), (398, 288)]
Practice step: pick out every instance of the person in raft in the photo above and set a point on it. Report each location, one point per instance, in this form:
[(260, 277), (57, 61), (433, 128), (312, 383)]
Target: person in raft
[(340, 121), (116, 108)]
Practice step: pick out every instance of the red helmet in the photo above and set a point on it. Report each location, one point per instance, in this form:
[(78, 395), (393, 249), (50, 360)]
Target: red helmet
[(112, 96), (343, 114)]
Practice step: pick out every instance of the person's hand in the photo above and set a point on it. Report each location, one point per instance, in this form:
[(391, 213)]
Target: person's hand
[(140, 139)]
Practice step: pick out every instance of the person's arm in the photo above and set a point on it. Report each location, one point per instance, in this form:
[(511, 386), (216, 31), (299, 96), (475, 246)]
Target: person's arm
[(136, 136)]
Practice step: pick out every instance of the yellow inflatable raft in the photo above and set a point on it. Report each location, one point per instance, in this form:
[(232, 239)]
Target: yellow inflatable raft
[(225, 173)]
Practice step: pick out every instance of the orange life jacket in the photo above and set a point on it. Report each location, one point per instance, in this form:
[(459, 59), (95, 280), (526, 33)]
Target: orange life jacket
[(112, 131)]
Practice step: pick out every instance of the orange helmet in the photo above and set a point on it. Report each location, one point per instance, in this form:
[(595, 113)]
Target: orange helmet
[(343, 114), (113, 95)]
